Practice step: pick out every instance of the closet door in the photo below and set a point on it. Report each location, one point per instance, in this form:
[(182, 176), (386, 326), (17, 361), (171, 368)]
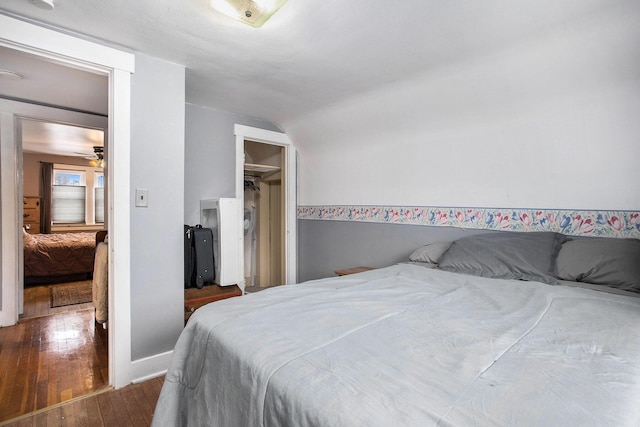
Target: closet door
[(271, 235)]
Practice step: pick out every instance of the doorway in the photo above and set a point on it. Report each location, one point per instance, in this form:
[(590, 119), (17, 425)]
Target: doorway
[(118, 66), (270, 160), (264, 215), (61, 334)]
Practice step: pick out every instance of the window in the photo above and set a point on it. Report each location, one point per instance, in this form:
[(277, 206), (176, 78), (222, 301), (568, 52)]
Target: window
[(68, 197), (62, 177), (77, 195), (99, 197)]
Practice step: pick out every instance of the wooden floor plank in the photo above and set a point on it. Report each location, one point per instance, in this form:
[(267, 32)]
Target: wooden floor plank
[(70, 414), (135, 412), (40, 420), (107, 411), (50, 359), (129, 406), (27, 422), (41, 362), (94, 416), (39, 297), (123, 416), (54, 417), (151, 394), (142, 402)]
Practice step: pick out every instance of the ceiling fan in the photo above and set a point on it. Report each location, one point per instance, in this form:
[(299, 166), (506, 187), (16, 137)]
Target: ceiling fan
[(97, 157)]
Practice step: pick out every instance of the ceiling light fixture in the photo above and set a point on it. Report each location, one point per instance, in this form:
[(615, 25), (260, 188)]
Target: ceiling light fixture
[(43, 4), (251, 12)]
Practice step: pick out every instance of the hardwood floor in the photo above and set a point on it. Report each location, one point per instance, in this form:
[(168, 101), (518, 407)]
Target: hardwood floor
[(37, 302), (54, 357), (130, 406)]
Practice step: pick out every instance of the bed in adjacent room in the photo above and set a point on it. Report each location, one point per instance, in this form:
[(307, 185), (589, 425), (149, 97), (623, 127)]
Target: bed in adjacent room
[(100, 282), (54, 258), (522, 329)]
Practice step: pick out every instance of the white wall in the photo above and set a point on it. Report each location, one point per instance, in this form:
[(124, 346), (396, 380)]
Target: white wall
[(550, 122), (210, 156), (157, 164)]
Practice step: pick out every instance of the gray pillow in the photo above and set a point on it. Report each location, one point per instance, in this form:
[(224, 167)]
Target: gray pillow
[(601, 261), (430, 253), (523, 256)]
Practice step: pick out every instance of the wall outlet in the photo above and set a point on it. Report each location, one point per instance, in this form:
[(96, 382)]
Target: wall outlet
[(142, 197)]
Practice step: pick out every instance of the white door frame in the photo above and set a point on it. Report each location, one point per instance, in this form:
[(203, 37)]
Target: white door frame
[(280, 139), (12, 113), (11, 238), (119, 66)]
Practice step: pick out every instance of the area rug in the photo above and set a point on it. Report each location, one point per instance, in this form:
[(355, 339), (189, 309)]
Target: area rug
[(71, 293)]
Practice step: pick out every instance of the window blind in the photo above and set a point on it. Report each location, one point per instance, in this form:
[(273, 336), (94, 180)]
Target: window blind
[(99, 205), (68, 204)]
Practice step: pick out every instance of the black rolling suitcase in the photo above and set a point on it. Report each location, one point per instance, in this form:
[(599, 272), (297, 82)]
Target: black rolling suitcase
[(188, 256), (203, 269)]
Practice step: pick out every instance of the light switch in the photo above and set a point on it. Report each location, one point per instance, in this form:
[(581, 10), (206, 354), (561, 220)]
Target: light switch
[(142, 197)]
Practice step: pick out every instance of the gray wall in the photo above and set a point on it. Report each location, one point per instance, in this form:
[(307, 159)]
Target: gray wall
[(325, 246), (210, 156), (157, 164), (181, 153)]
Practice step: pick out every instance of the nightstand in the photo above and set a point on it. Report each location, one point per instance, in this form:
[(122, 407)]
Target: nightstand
[(195, 298), (352, 270)]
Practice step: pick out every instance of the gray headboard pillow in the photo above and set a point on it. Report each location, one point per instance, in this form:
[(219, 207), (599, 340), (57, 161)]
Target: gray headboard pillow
[(601, 261), (512, 255), (430, 253)]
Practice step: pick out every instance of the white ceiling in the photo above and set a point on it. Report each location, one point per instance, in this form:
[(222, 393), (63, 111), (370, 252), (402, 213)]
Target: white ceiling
[(312, 53), (50, 83), (60, 139)]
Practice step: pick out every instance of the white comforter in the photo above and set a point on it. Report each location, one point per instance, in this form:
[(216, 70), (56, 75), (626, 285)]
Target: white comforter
[(408, 346)]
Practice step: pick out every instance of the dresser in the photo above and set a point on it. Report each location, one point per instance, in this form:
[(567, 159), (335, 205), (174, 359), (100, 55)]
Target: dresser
[(195, 298), (31, 214)]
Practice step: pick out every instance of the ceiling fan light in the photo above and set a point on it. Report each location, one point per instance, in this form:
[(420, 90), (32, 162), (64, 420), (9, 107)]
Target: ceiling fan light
[(251, 12)]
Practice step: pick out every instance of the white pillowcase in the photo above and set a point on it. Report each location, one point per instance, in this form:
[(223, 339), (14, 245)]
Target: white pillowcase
[(430, 253)]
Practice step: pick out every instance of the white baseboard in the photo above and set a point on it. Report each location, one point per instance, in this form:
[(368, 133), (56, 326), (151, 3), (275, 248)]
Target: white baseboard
[(150, 367)]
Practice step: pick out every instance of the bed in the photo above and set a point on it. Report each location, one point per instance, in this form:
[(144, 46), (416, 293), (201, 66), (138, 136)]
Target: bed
[(100, 281), (531, 330), (54, 258)]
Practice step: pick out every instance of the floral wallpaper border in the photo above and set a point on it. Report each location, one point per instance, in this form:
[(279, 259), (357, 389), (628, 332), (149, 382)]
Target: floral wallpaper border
[(570, 222)]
